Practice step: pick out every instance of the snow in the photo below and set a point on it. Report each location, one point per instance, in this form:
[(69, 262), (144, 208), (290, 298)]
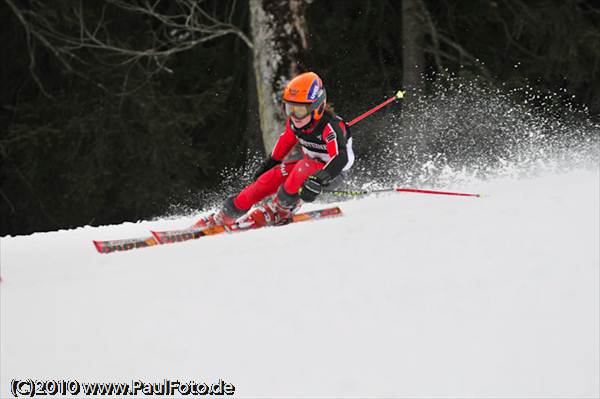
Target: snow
[(406, 295)]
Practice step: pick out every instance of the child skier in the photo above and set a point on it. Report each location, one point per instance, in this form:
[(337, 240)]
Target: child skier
[(327, 151)]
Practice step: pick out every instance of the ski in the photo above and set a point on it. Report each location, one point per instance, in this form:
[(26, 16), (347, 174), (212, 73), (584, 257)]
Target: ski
[(106, 247), (168, 237), (195, 232)]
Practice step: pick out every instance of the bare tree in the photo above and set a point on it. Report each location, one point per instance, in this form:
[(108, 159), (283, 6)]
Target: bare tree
[(413, 41), (280, 45), (171, 27), (419, 25)]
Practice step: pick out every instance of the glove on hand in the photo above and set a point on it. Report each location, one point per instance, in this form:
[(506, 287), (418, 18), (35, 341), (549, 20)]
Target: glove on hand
[(265, 166), (314, 185)]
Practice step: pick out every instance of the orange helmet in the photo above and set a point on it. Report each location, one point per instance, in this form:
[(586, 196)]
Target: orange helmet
[(303, 95)]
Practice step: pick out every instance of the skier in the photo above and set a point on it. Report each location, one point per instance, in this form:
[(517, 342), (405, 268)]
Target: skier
[(327, 152)]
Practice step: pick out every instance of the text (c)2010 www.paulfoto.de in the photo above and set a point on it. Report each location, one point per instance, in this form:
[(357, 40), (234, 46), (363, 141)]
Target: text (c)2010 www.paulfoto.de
[(176, 388)]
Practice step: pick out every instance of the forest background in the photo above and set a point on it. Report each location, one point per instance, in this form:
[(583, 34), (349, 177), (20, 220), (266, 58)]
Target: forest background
[(116, 110)]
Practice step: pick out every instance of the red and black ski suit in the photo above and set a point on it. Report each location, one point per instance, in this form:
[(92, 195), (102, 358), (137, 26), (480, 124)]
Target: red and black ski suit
[(326, 144)]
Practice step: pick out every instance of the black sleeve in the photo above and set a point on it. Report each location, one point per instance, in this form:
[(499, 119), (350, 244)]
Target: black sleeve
[(335, 166)]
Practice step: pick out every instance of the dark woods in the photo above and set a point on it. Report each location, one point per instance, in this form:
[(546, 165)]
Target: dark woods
[(112, 110)]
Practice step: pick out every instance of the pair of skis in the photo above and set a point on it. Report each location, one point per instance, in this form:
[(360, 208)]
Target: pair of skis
[(195, 232)]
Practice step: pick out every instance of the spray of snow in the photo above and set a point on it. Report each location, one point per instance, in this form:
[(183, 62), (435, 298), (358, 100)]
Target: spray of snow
[(463, 134), (467, 132)]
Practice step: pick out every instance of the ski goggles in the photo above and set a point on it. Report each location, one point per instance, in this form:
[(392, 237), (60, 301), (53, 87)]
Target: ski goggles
[(298, 110)]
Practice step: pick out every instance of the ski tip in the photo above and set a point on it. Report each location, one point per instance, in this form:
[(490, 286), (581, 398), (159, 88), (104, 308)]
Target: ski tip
[(98, 246), (334, 211), (400, 94)]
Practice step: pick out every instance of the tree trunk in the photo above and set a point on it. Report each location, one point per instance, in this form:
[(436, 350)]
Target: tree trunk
[(252, 133), (413, 59), (280, 45)]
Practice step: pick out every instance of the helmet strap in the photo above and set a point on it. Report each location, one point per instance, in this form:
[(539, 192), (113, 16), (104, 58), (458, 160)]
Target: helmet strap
[(321, 108)]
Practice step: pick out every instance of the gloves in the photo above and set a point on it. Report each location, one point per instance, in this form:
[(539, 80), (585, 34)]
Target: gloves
[(314, 185), (266, 165)]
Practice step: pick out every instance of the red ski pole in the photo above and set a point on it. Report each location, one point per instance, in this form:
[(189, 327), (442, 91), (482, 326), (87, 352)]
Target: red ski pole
[(400, 190), (399, 95), (415, 190)]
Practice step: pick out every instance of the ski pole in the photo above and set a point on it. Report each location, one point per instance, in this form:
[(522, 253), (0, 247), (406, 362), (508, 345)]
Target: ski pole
[(398, 189), (399, 95)]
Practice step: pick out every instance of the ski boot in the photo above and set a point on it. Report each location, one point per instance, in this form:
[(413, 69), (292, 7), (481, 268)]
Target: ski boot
[(226, 216), (277, 212)]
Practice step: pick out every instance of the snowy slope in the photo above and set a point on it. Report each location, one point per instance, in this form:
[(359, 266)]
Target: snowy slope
[(406, 295)]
